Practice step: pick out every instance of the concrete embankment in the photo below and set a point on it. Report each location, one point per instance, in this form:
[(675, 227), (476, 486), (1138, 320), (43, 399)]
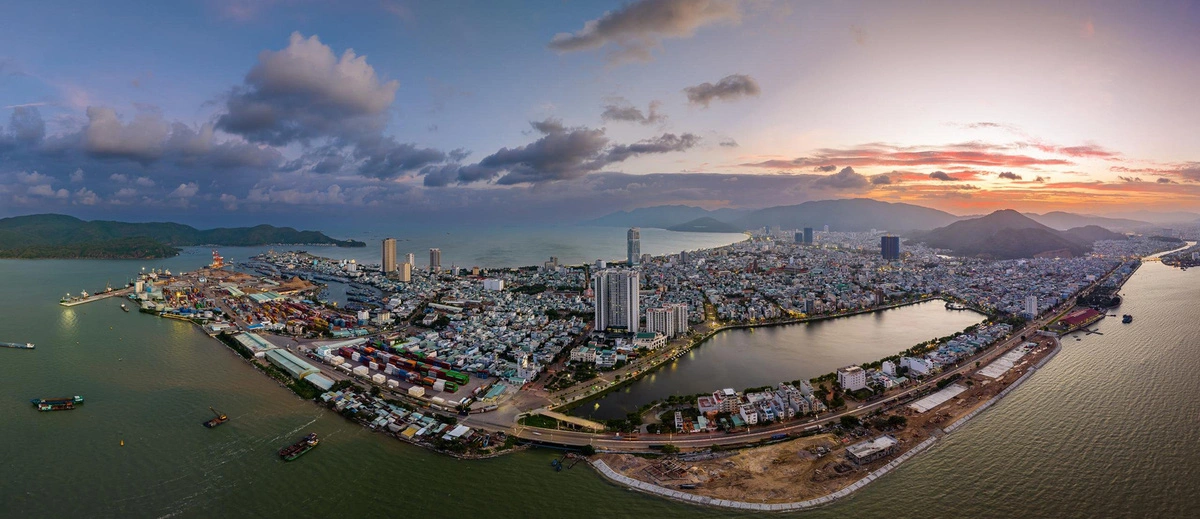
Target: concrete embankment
[(642, 486), (1017, 383)]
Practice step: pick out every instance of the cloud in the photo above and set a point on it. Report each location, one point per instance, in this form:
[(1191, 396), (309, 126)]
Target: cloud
[(826, 168), (1164, 180), (85, 196), (561, 153), (1130, 179), (881, 180), (620, 109), (729, 88), (940, 175), (728, 143), (26, 124), (77, 176), (635, 29), (187, 190), (44, 190), (304, 92), (847, 178), (1009, 175), (876, 154), (1084, 151)]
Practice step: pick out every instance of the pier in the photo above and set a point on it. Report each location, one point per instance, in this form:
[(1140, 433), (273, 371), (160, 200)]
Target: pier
[(96, 297)]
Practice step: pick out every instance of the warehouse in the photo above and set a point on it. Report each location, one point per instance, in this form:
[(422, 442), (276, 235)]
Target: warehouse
[(292, 364)]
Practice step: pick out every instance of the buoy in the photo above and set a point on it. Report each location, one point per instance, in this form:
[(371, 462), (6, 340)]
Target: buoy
[(122, 443)]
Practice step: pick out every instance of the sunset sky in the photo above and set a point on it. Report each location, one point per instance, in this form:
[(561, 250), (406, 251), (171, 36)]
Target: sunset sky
[(224, 110)]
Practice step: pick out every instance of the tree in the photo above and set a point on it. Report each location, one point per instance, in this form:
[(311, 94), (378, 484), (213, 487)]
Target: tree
[(670, 449), (897, 421), (850, 421), (587, 450)]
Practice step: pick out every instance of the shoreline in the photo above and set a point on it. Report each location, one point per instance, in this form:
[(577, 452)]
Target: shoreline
[(615, 477)]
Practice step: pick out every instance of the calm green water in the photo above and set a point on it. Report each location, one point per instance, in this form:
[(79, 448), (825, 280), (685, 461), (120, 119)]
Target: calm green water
[(743, 358), (1107, 429)]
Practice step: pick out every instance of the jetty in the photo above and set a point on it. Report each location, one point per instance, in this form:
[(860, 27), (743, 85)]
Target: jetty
[(95, 297)]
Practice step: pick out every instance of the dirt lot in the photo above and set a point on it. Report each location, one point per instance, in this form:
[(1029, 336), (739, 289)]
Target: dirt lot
[(809, 467)]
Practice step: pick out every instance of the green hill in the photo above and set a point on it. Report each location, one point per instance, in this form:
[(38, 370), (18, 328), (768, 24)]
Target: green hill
[(61, 236)]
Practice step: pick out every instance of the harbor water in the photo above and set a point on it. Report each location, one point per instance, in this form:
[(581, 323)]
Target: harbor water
[(1106, 429)]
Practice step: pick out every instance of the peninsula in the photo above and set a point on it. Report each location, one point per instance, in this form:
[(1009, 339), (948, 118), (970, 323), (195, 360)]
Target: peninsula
[(44, 236)]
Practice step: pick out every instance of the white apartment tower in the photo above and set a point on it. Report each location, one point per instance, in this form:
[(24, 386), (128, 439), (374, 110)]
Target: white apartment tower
[(1031, 306), (617, 299)]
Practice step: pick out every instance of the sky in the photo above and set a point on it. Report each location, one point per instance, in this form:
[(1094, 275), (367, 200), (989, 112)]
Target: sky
[(296, 111)]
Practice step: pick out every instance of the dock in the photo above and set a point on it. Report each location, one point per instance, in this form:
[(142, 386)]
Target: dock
[(96, 297)]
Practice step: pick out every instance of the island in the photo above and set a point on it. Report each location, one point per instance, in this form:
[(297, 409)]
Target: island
[(45, 236)]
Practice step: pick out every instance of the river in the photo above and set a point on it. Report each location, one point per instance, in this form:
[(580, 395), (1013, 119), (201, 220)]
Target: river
[(1106, 429), (754, 357)]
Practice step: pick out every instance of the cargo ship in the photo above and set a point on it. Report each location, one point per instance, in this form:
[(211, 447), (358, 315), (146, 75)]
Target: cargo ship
[(298, 449), (19, 346), (56, 404), (216, 420)]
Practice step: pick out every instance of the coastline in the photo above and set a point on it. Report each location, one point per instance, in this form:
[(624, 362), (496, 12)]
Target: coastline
[(615, 477)]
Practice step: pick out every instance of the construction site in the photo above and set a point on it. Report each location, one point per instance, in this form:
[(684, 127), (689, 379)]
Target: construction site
[(838, 454)]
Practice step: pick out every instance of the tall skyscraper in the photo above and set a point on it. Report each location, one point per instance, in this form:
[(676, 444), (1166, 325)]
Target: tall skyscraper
[(435, 260), (389, 255), (617, 299), (634, 246), (890, 247), (808, 235), (411, 259), (1031, 306), (405, 271)]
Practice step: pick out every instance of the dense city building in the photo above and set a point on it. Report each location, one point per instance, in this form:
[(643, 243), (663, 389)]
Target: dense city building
[(617, 299), (388, 264), (633, 246), (808, 235), (890, 247), (435, 260)]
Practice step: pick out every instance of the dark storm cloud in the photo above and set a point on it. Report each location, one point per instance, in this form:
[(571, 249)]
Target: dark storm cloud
[(636, 28), (729, 88)]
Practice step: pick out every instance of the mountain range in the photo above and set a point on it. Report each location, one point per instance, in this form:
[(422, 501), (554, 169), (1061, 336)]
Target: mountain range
[(61, 236), (1007, 234), (857, 214)]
